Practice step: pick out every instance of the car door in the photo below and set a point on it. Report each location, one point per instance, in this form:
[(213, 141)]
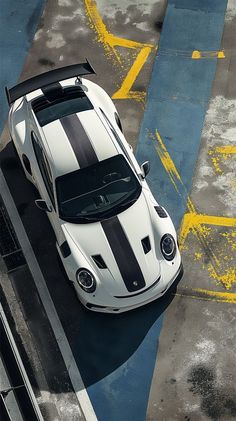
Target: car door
[(43, 177)]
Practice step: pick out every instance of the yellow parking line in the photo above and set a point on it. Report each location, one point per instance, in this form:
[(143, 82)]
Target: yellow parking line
[(110, 42), (125, 89), (205, 294), (196, 54)]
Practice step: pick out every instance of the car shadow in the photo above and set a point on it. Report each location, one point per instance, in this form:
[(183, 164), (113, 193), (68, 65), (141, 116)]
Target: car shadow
[(100, 343), (106, 342)]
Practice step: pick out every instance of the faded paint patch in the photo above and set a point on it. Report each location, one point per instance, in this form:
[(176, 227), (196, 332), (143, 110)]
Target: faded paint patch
[(130, 120), (202, 352), (225, 184), (59, 19), (139, 19), (61, 24), (144, 26), (56, 40), (206, 349), (231, 11), (65, 3), (220, 118), (110, 9), (217, 157), (38, 34), (71, 411)]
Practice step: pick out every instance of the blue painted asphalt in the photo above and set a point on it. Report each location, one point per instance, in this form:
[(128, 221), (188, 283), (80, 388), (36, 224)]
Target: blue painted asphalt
[(18, 23), (177, 100), (178, 94)]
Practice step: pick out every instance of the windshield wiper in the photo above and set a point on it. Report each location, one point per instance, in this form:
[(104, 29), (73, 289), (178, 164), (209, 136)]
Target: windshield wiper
[(128, 203), (90, 218), (74, 219)]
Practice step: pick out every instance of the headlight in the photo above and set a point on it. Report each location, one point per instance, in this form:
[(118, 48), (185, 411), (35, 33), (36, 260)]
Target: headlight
[(86, 280), (168, 247)]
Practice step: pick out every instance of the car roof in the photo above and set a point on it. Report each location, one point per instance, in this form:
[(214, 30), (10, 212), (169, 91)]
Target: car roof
[(77, 140)]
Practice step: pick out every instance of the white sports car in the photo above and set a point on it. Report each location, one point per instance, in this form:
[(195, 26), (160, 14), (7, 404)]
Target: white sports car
[(117, 244)]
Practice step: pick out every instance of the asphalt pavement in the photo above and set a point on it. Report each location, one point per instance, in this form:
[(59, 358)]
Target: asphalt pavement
[(172, 359)]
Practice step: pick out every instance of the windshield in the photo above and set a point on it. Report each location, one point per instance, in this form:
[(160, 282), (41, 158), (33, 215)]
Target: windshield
[(100, 190)]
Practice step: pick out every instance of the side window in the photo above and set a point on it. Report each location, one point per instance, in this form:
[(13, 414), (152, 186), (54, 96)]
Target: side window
[(43, 166)]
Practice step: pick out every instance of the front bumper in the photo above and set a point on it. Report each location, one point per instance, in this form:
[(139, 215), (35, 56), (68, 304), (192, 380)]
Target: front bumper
[(152, 297)]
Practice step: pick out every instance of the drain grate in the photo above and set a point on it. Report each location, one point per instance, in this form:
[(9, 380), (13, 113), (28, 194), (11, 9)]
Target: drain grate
[(10, 249)]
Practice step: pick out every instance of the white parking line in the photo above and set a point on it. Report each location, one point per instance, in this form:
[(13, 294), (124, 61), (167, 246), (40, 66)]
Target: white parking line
[(74, 374)]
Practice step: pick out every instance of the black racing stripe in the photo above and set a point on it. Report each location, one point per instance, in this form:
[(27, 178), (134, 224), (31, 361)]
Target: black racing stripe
[(123, 254), (83, 150)]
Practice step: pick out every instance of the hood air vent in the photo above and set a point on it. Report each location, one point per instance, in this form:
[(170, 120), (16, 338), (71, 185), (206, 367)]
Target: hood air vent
[(146, 244), (99, 261), (160, 211)]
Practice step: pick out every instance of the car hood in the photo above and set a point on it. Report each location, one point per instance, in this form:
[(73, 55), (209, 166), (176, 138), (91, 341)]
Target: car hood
[(121, 250)]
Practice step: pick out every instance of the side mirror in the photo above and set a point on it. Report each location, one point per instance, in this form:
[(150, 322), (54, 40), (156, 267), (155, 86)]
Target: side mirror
[(145, 167), (41, 204)]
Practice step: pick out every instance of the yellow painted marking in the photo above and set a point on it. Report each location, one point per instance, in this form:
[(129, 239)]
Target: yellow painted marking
[(231, 239), (198, 224), (125, 89), (221, 153), (198, 256), (110, 42), (228, 149), (227, 278), (221, 54), (167, 161), (217, 220), (196, 54), (221, 221), (205, 294)]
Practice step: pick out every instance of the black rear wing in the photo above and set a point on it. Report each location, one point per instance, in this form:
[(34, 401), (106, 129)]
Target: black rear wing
[(47, 78)]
